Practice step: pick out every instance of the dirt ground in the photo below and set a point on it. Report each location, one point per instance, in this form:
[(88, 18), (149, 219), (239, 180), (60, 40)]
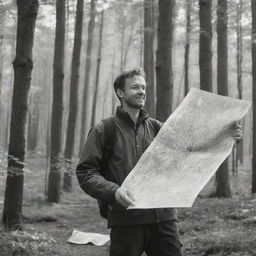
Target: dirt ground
[(217, 227)]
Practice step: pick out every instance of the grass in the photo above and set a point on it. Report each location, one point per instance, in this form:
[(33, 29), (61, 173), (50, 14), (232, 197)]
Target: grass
[(216, 227)]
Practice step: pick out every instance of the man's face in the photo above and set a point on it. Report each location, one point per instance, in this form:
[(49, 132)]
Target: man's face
[(134, 93)]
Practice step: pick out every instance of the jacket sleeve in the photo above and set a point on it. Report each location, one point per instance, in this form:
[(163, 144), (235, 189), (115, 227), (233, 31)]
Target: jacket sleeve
[(88, 169)]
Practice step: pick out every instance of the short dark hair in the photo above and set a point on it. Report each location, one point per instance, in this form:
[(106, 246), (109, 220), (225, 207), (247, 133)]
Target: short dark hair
[(120, 80)]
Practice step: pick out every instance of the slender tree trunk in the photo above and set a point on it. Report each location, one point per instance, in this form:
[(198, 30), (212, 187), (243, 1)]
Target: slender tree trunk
[(149, 55), (54, 181), (122, 47), (33, 122), (97, 72), (127, 46), (239, 60), (2, 18), (164, 73), (205, 45), (222, 175), (187, 47), (87, 72), (73, 100), (141, 35), (1, 62), (1, 66), (253, 6), (23, 64)]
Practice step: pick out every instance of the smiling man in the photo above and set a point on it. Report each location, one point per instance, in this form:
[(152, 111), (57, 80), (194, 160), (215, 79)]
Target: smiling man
[(112, 149)]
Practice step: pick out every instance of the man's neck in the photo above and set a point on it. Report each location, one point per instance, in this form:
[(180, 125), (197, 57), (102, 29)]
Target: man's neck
[(133, 113)]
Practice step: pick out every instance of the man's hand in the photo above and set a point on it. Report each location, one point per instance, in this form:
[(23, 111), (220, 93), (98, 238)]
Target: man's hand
[(237, 133), (124, 198)]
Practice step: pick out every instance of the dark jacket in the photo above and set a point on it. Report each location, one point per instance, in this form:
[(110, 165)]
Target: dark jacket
[(130, 142)]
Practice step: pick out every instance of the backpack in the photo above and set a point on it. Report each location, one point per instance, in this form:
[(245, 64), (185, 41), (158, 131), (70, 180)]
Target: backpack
[(110, 131)]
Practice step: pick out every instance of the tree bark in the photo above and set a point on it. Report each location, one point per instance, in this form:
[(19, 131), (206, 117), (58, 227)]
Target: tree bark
[(73, 100), (149, 55), (253, 6), (87, 72), (23, 64), (122, 47), (205, 45), (164, 73), (33, 121), (94, 102), (54, 181), (187, 47), (239, 61), (222, 175)]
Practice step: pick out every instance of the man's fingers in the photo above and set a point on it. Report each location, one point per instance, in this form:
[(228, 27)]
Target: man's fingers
[(126, 199), (123, 198), (130, 194)]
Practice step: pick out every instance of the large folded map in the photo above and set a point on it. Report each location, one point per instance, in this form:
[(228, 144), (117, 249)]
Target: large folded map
[(189, 148)]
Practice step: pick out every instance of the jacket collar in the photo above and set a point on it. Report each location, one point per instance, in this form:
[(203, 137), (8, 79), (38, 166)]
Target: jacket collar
[(124, 115)]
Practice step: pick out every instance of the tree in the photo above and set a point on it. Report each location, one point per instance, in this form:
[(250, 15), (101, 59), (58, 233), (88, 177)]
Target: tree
[(54, 181), (94, 102), (87, 71), (73, 100), (239, 60), (33, 120), (23, 64), (149, 55), (222, 175), (187, 46), (253, 6), (205, 45), (164, 74)]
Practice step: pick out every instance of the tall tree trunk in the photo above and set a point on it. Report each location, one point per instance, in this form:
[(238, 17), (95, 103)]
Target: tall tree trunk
[(33, 122), (93, 120), (187, 47), (222, 175), (87, 72), (54, 181), (122, 47), (164, 73), (205, 45), (23, 64), (253, 6), (1, 62), (149, 55), (141, 35), (239, 60), (73, 100), (1, 66), (2, 18)]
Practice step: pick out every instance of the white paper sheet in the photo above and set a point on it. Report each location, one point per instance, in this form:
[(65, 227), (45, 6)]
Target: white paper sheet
[(187, 151), (79, 237)]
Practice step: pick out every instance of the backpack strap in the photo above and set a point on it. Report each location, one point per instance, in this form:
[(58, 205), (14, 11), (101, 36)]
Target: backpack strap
[(109, 134)]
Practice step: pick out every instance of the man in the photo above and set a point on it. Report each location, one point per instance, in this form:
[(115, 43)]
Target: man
[(132, 231)]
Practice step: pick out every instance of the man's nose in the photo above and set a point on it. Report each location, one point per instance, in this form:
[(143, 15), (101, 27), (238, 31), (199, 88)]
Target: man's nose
[(141, 91)]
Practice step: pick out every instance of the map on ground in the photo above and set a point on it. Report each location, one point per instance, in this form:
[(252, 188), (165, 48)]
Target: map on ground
[(186, 153)]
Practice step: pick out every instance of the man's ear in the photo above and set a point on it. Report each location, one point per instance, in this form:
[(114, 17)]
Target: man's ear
[(120, 93)]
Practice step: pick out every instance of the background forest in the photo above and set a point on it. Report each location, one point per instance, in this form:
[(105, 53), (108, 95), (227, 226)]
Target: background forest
[(79, 47)]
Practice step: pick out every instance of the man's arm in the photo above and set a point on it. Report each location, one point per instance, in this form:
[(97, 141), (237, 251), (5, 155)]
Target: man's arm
[(88, 169)]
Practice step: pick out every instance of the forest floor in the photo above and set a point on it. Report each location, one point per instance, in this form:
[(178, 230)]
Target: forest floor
[(216, 227)]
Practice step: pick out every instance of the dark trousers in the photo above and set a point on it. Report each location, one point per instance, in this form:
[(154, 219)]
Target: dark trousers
[(158, 239)]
